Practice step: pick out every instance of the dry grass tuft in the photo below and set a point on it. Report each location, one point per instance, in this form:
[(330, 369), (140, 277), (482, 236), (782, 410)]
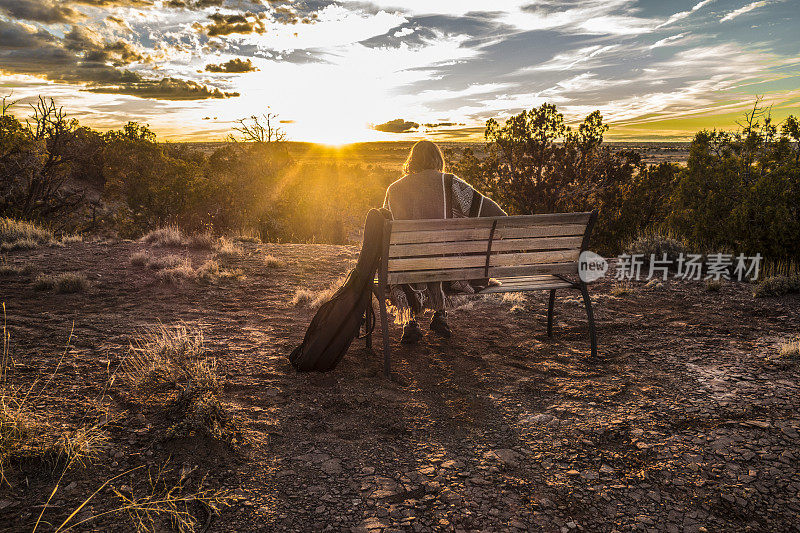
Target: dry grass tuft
[(19, 235), (789, 350), (303, 298), (44, 282), (7, 269), (227, 249), (654, 284), (177, 274), (140, 259), (513, 298), (168, 261), (166, 236), (777, 286), (313, 299), (71, 282), (247, 236), (170, 502), (622, 289), (201, 241), (272, 262), (174, 359), (71, 239), (208, 271), (66, 283), (22, 244), (211, 272), (26, 434), (713, 285)]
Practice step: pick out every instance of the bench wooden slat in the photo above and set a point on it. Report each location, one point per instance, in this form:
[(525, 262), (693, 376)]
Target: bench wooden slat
[(399, 226), (469, 261), (532, 286), (421, 276), (476, 234), (498, 245)]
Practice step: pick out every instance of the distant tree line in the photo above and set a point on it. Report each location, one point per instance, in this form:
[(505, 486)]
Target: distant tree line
[(739, 191), (57, 172)]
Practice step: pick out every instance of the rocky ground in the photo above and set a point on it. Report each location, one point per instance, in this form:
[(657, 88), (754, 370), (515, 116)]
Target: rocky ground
[(689, 423)]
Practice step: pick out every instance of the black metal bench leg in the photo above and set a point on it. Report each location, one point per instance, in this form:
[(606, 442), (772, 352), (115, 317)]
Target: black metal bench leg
[(368, 316), (590, 316), (385, 330), (550, 312)]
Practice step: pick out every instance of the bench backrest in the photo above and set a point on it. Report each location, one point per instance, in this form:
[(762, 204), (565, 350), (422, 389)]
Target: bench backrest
[(457, 249)]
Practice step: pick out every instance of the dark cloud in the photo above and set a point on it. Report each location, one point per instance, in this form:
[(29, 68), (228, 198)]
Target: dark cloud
[(194, 4), (434, 125), (118, 22), (45, 11), (237, 23), (232, 66), (94, 49), (288, 15), (397, 125), (82, 58), (114, 3), (165, 89)]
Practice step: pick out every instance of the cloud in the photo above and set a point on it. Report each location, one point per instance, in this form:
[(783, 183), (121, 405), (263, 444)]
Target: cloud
[(114, 3), (397, 125), (93, 48), (196, 4), (235, 65), (742, 10), (683, 14), (45, 11), (82, 57), (165, 89), (119, 23), (667, 41), (236, 23), (571, 59)]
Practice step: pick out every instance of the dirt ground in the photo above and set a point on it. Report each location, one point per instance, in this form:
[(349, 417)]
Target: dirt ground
[(687, 424)]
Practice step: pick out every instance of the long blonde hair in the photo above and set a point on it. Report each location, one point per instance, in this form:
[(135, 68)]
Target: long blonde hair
[(424, 155)]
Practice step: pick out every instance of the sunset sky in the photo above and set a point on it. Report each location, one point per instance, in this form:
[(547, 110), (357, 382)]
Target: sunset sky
[(347, 71)]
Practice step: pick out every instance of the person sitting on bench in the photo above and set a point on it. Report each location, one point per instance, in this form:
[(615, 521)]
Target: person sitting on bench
[(426, 191)]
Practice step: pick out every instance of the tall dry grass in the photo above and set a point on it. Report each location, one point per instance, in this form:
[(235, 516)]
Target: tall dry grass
[(173, 360), (20, 235), (26, 434), (165, 236)]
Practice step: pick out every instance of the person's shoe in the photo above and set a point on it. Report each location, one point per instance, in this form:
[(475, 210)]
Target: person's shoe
[(411, 333), (439, 325)]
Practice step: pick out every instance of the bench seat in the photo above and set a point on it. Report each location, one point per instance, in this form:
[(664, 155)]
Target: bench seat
[(524, 253), (529, 283)]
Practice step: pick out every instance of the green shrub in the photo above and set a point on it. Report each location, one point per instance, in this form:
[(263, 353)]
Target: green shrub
[(656, 244)]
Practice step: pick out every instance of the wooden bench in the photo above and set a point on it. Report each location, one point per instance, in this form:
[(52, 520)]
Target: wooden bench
[(523, 253)]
